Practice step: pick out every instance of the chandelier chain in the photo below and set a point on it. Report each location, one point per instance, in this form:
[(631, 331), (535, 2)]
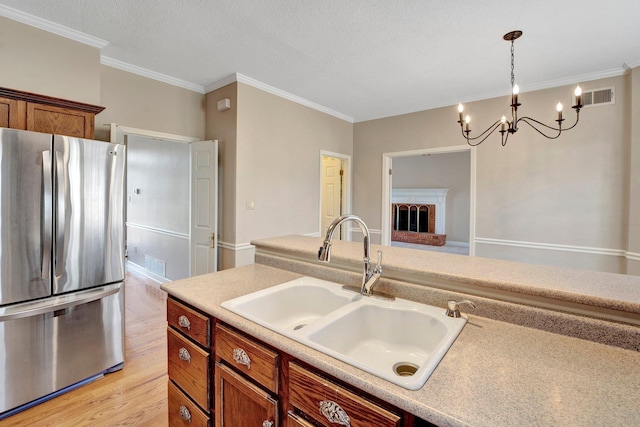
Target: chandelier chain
[(513, 77)]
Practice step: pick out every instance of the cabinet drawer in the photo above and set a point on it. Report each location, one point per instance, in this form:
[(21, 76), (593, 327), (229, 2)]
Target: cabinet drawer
[(294, 420), (192, 323), (183, 412), (189, 367), (330, 404), (247, 356)]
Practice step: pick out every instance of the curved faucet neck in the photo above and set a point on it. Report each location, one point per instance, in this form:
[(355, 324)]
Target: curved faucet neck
[(337, 223), (369, 275)]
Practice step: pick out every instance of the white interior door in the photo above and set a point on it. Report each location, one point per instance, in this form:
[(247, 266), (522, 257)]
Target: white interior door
[(332, 190), (204, 207)]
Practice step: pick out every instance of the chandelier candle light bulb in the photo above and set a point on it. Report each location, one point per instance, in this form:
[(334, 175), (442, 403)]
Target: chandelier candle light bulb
[(578, 94), (509, 127), (559, 108)]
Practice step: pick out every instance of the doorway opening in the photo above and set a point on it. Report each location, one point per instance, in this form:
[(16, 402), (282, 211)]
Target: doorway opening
[(418, 169), (335, 190), (171, 203)]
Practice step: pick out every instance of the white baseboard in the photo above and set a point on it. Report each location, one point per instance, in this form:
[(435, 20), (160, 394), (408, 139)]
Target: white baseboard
[(146, 273)]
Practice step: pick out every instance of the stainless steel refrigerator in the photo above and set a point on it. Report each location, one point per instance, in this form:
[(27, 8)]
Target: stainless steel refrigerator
[(61, 264)]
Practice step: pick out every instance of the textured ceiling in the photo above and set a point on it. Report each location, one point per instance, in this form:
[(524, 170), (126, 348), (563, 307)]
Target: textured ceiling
[(362, 58)]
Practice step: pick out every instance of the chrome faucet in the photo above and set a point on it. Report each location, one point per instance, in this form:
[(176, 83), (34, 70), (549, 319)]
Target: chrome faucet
[(370, 275)]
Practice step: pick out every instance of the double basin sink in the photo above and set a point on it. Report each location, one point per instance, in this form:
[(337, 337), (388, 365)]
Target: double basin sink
[(400, 341)]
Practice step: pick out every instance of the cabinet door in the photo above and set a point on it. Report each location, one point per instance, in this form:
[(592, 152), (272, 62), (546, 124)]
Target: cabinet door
[(58, 120), (241, 403), (13, 113)]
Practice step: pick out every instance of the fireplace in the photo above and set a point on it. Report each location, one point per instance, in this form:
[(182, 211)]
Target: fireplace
[(418, 216)]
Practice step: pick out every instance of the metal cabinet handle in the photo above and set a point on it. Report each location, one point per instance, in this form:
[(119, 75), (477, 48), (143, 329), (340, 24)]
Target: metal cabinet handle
[(183, 353), (183, 321), (241, 357), (334, 413), (185, 414), (267, 423)]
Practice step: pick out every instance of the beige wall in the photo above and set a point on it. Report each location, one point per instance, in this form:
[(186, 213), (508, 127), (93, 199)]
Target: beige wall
[(633, 266), (277, 166), (569, 192), (139, 102), (37, 61), (222, 125)]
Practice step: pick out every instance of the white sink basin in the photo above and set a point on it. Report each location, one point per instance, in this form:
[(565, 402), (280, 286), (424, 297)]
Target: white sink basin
[(292, 305), (401, 341)]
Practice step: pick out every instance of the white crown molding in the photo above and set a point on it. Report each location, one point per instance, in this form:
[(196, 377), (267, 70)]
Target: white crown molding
[(124, 66), (52, 27), (237, 77), (614, 72), (634, 64), (221, 83)]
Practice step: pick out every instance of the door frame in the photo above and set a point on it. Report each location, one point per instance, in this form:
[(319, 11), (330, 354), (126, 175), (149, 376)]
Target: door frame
[(387, 186), (346, 187), (118, 134)]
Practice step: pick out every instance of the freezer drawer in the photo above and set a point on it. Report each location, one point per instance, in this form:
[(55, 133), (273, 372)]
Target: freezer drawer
[(51, 344)]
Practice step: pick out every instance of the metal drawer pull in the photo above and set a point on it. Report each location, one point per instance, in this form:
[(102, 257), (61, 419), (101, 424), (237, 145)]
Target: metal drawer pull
[(334, 413), (183, 353), (267, 423), (185, 414), (241, 357), (183, 321)]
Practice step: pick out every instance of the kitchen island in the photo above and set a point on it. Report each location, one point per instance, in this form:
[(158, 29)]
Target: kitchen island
[(545, 345)]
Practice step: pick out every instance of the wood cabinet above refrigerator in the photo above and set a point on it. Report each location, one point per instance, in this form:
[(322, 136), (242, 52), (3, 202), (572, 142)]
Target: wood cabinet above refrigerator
[(40, 113)]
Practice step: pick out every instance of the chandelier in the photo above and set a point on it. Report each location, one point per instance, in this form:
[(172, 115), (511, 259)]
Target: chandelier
[(508, 127)]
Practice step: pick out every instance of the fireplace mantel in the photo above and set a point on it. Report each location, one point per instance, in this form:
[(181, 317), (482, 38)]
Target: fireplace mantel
[(425, 196)]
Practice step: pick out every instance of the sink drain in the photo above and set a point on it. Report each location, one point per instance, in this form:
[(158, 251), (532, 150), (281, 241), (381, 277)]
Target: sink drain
[(299, 326), (405, 369)]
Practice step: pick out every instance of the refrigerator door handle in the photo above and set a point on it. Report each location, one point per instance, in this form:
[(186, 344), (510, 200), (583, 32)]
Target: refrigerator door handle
[(61, 221), (34, 308), (46, 215)]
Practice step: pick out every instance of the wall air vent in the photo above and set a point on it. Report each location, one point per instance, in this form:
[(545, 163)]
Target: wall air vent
[(604, 96)]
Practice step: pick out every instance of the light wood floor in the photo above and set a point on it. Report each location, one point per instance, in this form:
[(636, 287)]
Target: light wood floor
[(133, 396)]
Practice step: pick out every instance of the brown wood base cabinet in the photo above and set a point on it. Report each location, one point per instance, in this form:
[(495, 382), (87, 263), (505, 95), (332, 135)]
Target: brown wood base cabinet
[(189, 366), (221, 376)]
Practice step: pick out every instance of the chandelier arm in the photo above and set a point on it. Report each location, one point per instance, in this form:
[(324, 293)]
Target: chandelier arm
[(526, 120), (505, 138), (487, 133), (577, 119)]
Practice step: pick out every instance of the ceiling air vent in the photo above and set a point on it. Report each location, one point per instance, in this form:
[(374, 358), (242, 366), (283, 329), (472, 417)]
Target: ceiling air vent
[(605, 96)]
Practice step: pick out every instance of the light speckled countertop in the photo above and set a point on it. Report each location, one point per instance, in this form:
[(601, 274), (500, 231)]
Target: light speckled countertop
[(495, 374)]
